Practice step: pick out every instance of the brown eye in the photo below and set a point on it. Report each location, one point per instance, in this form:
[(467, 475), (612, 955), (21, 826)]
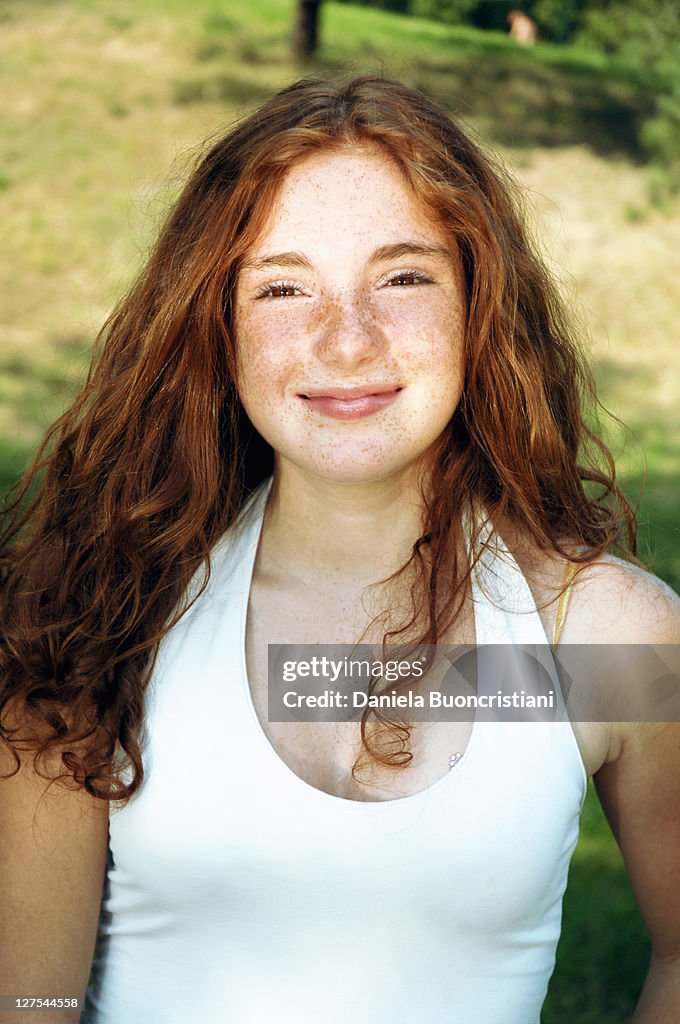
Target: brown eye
[(279, 290), (406, 278)]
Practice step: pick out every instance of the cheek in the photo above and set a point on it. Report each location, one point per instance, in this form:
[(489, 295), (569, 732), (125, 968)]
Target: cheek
[(429, 329), (265, 352)]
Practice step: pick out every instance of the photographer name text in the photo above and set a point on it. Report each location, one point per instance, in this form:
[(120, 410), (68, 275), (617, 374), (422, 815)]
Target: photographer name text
[(433, 699)]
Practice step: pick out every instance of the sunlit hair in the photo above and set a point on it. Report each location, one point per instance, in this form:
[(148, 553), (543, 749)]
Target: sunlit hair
[(140, 477)]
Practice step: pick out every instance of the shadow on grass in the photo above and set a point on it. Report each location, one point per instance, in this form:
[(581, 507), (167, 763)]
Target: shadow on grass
[(223, 88), (604, 950), (518, 98), (524, 105)]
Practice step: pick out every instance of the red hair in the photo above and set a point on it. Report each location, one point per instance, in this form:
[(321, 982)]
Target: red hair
[(136, 482)]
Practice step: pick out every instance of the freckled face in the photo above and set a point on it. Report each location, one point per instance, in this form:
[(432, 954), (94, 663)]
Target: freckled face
[(349, 318)]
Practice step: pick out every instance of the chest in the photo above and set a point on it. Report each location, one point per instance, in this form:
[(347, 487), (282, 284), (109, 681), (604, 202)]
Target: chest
[(325, 754)]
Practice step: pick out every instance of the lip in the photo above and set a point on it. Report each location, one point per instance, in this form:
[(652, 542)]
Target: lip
[(348, 394), (351, 403)]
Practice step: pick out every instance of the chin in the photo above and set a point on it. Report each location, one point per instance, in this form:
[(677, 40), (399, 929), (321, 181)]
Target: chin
[(356, 470)]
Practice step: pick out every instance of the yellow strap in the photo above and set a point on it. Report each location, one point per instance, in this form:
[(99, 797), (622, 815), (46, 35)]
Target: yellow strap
[(565, 596)]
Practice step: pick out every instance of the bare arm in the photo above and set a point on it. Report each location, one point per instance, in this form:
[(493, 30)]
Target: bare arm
[(53, 844), (639, 788), (640, 793), (660, 999)]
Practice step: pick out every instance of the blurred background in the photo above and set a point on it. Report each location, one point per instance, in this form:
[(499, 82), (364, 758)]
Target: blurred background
[(107, 103)]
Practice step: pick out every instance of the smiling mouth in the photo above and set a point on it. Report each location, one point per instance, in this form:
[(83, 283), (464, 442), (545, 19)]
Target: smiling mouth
[(351, 394), (351, 403)]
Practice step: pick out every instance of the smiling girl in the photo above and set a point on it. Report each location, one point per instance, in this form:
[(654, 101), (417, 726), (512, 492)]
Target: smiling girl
[(342, 403)]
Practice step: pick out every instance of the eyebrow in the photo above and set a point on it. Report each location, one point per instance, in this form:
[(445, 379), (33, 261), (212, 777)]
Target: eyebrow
[(395, 250)]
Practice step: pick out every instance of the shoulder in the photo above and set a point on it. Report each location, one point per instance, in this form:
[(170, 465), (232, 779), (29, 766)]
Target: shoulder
[(617, 602), (620, 638), (634, 619), (620, 643), (611, 600)]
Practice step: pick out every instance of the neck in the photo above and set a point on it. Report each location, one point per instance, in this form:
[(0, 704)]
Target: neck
[(355, 532)]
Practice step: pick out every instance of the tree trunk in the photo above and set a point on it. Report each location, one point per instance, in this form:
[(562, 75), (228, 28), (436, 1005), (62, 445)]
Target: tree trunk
[(306, 33)]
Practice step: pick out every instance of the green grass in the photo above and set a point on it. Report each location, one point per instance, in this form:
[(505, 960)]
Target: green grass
[(102, 97), (648, 450)]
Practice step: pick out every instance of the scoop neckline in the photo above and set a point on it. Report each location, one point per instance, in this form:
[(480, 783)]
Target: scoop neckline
[(254, 512)]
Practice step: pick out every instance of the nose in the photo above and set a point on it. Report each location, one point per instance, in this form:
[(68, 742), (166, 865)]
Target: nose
[(350, 335)]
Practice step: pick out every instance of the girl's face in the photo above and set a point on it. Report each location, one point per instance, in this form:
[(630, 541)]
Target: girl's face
[(349, 318)]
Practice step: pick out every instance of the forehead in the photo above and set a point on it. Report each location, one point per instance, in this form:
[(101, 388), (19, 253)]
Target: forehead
[(357, 194)]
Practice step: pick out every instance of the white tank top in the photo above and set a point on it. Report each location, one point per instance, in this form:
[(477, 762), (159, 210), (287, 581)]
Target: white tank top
[(240, 894)]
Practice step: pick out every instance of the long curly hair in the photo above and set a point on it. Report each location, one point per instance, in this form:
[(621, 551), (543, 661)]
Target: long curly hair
[(154, 460)]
